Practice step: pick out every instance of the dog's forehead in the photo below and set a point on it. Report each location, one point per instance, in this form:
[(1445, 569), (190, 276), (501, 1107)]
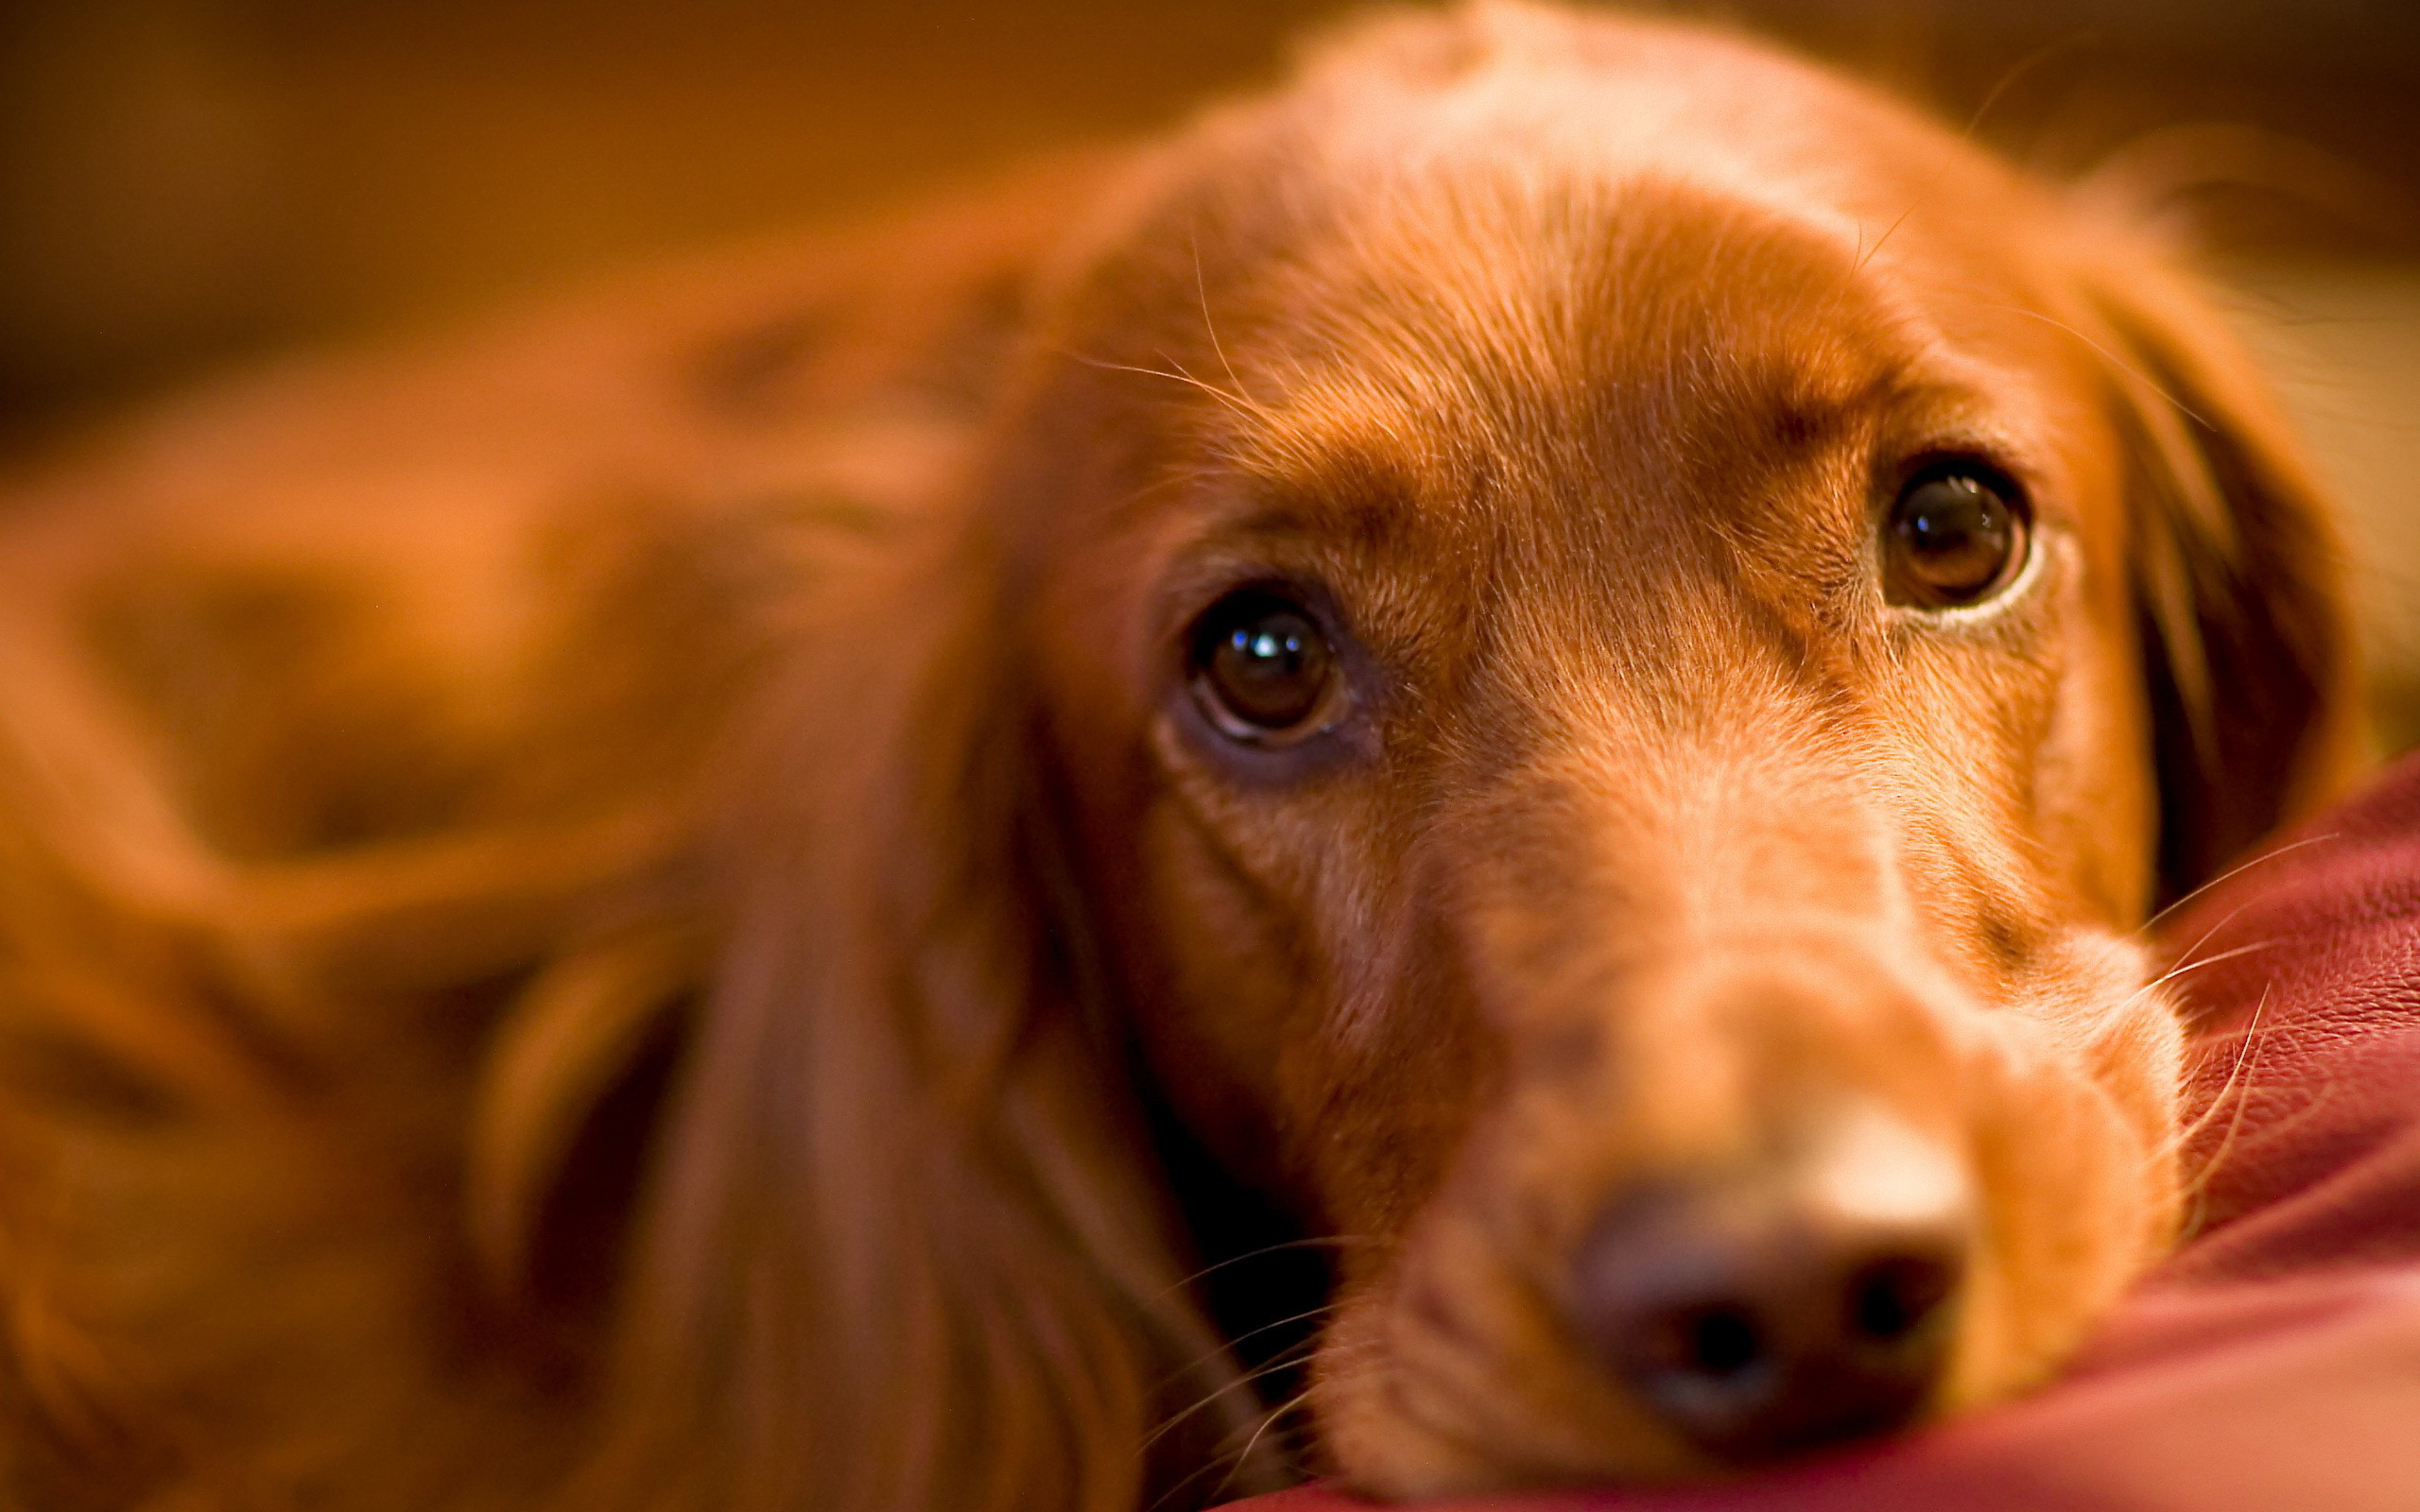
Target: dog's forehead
[(1528, 200), (1488, 368), (1481, 281)]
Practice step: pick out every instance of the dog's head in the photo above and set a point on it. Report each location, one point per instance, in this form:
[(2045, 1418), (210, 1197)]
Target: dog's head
[(1582, 651)]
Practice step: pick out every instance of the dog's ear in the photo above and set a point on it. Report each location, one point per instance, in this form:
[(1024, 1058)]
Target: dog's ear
[(2240, 586), (905, 1247)]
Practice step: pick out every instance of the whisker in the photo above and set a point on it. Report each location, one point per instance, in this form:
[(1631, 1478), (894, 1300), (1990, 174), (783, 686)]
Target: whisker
[(1175, 374), (1178, 1375), (2234, 871), (2246, 1057), (2022, 67), (2220, 958), (2198, 1188), (2115, 360), (2185, 956), (2183, 967), (1314, 1242), (1238, 1459), (2320, 1098), (1866, 254), (1281, 1410), (1203, 290), (1286, 1361)]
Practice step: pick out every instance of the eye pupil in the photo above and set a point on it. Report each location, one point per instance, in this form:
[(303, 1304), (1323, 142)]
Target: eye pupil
[(1261, 667), (1268, 646), (1955, 537)]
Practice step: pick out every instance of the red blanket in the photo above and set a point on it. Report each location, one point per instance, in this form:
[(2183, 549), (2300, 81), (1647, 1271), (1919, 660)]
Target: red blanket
[(2274, 1362)]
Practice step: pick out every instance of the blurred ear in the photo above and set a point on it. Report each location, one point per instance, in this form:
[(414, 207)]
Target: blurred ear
[(906, 1246), (2246, 634)]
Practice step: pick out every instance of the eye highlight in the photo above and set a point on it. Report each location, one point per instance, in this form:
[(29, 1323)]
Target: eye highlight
[(1263, 670), (1957, 534)]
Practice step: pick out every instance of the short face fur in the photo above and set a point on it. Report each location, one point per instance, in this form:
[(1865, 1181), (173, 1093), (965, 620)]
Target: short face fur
[(1562, 662), (1656, 894)]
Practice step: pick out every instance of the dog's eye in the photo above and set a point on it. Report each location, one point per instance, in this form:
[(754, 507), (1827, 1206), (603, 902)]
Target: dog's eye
[(1956, 534), (1263, 670)]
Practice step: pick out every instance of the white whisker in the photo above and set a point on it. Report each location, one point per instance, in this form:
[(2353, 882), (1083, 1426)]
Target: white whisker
[(1315, 1242), (1249, 1333), (2234, 871), (1286, 1361)]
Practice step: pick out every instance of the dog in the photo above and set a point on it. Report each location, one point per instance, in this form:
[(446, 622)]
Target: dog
[(1453, 781)]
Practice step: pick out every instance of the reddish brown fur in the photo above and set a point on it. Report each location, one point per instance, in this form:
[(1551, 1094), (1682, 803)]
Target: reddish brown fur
[(624, 918)]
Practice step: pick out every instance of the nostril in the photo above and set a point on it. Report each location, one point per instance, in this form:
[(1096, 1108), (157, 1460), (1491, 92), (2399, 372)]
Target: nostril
[(1671, 1289), (1724, 1343), (1694, 1356), (1892, 1299)]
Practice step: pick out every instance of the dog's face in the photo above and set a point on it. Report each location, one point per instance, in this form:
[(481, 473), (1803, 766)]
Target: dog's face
[(1585, 613)]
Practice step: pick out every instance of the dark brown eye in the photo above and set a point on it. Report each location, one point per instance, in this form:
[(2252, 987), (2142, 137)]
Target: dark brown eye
[(1956, 534), (1263, 669)]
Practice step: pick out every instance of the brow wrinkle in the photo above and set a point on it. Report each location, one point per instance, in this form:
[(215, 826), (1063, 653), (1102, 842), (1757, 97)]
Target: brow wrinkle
[(1216, 844)]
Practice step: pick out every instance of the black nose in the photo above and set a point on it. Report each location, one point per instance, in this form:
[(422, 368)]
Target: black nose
[(1758, 1320)]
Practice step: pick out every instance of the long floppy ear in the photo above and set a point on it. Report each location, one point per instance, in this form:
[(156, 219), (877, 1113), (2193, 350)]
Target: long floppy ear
[(906, 1248), (2247, 643)]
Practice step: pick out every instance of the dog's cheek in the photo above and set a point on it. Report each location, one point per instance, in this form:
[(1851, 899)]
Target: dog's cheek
[(2134, 1052), (2140, 1063), (1409, 1393), (2080, 1196), (1359, 1400), (1218, 969), (1450, 1367)]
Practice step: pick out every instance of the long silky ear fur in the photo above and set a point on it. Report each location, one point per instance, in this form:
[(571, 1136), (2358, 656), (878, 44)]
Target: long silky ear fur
[(297, 1097), (905, 1247), (2239, 582)]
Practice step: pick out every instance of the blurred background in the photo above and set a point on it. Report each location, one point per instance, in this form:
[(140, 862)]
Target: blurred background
[(186, 183)]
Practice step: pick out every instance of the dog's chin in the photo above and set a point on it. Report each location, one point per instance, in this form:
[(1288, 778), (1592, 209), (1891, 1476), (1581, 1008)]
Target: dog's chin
[(1422, 1390), (1450, 1371)]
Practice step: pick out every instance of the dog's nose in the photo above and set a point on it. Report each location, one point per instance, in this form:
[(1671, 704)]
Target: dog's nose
[(1774, 1314)]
